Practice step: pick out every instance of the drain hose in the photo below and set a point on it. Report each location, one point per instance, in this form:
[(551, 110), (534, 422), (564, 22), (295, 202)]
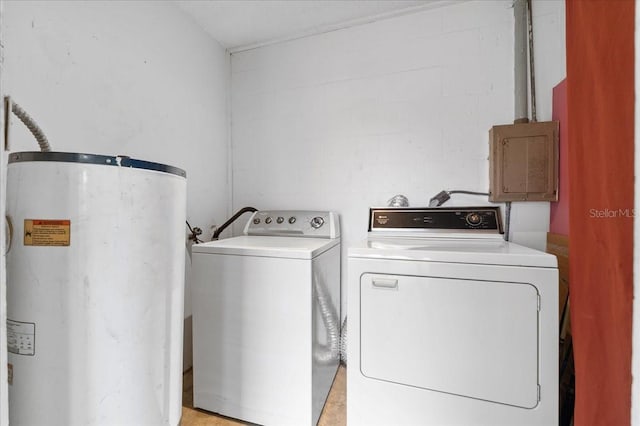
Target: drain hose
[(330, 351), (343, 342)]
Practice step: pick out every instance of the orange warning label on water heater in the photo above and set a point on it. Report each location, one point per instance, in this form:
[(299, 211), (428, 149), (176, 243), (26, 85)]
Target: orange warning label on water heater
[(40, 232)]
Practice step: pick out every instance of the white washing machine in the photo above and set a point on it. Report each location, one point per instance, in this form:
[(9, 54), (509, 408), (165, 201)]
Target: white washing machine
[(449, 324), (266, 318)]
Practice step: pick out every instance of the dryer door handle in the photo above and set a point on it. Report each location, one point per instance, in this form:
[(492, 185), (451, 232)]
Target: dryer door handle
[(388, 283)]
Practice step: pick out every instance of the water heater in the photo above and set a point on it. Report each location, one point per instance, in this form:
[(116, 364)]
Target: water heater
[(95, 289)]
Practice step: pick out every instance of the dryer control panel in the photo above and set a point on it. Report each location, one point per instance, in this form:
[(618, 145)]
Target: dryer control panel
[(485, 220), (294, 223)]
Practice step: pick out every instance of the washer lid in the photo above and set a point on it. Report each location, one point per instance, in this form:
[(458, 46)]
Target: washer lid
[(487, 252), (267, 246)]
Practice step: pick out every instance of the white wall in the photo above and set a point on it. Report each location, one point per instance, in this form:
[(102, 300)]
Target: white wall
[(635, 344), (4, 391), (129, 78), (347, 119)]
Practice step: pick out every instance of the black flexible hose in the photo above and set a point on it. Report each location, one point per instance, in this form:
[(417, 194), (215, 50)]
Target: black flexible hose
[(443, 196), (231, 220)]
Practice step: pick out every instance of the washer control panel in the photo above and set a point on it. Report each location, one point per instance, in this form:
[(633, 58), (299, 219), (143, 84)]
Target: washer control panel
[(437, 220), (294, 223)]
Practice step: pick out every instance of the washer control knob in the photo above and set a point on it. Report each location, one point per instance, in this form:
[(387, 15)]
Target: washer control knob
[(280, 219), (268, 220), (317, 222), (474, 219), (256, 221), (292, 220)]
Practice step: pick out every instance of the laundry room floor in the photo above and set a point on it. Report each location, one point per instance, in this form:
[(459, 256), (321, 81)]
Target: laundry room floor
[(334, 413)]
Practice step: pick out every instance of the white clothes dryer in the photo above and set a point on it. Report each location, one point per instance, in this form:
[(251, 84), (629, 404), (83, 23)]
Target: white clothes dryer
[(266, 318), (449, 324)]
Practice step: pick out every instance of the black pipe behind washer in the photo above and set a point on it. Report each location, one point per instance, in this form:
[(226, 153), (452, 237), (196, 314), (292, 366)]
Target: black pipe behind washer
[(233, 218)]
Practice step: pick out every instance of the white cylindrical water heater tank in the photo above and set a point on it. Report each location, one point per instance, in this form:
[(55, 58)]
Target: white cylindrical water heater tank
[(95, 290)]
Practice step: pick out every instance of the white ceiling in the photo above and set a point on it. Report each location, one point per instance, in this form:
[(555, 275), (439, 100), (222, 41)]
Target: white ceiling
[(242, 24)]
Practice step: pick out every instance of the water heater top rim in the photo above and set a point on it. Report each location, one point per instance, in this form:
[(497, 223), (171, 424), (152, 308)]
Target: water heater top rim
[(105, 160)]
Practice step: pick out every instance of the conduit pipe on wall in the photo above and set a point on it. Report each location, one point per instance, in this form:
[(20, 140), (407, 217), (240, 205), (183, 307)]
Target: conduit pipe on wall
[(521, 112), (532, 72), (520, 65)]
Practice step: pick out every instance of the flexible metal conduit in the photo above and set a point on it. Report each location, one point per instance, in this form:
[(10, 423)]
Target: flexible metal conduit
[(343, 342), (37, 132), (33, 127)]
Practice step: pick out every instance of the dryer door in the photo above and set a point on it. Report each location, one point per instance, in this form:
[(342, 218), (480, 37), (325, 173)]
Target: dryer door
[(476, 339)]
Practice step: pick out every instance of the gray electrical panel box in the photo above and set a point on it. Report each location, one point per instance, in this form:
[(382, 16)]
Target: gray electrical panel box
[(523, 162)]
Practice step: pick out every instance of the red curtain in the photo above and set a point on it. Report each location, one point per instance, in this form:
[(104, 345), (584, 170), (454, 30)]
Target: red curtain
[(600, 97)]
